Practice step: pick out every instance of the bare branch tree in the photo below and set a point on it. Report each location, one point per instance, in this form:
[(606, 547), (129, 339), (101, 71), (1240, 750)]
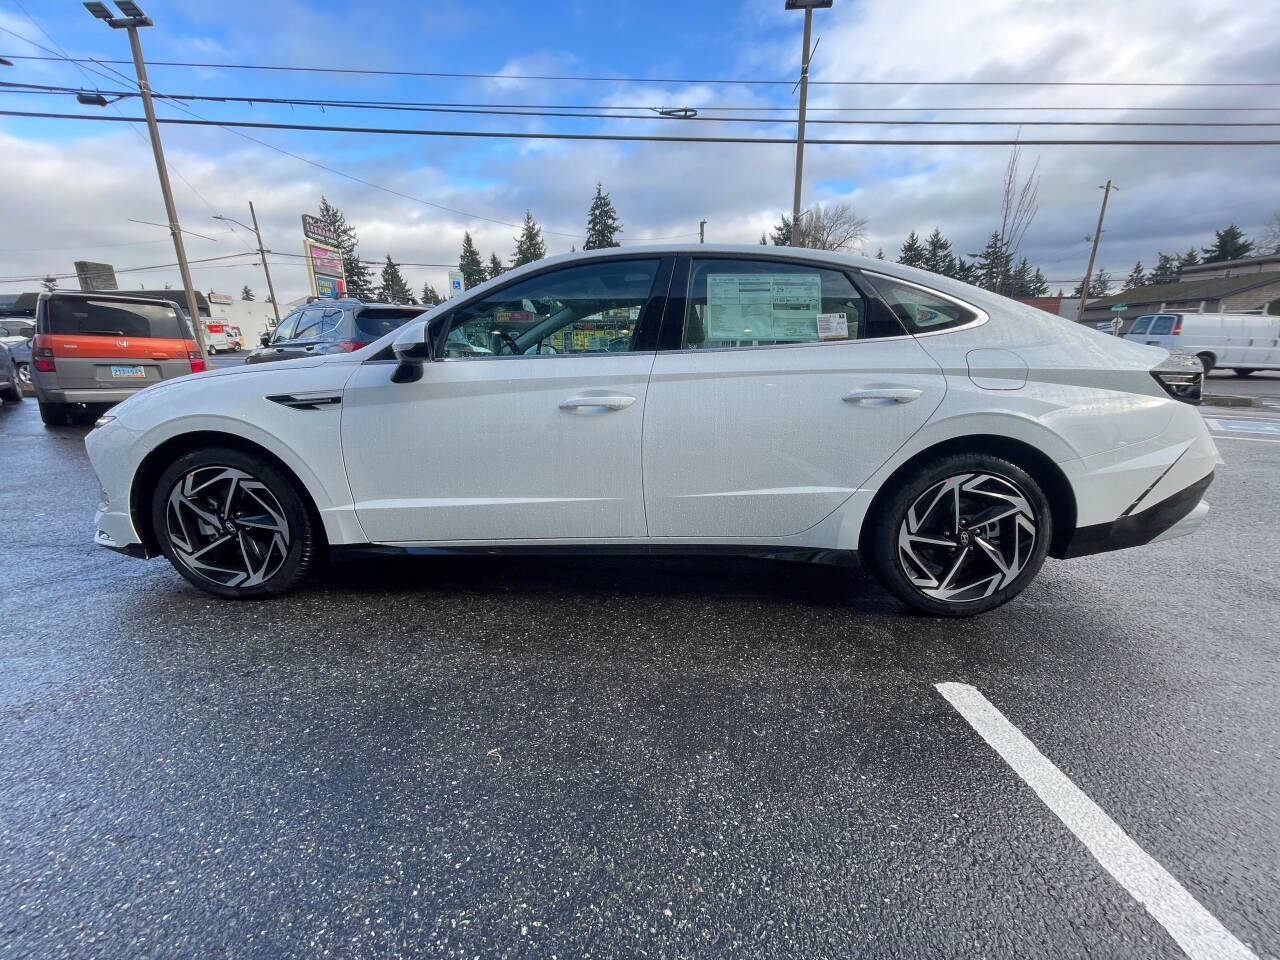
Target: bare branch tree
[(1269, 240), (1019, 204)]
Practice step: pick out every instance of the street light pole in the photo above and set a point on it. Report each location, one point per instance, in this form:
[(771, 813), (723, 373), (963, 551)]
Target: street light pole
[(133, 19), (271, 291), (807, 6), (1093, 252)]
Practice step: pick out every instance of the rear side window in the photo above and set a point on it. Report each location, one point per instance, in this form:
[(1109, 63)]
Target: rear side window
[(110, 318), (319, 323), (1141, 325), (1162, 325), (920, 310), (372, 324)]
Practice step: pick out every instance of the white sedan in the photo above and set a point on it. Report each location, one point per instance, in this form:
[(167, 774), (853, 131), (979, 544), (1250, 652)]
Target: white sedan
[(766, 401)]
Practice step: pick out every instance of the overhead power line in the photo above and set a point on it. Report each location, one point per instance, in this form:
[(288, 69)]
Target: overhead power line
[(641, 138), (739, 81), (154, 266), (533, 110)]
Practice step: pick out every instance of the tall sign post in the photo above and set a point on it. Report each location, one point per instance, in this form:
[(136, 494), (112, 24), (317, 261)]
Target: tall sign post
[(324, 259)]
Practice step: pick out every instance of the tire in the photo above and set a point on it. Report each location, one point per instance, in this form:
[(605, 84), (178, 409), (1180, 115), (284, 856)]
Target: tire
[(906, 548), (24, 375), (257, 513), (13, 389), (1242, 373), (1206, 359), (54, 414)]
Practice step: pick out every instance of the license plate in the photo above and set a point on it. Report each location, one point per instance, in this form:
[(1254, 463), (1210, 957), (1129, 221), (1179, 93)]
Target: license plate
[(128, 373)]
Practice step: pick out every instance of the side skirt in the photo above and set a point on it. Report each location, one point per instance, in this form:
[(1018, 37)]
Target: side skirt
[(791, 554)]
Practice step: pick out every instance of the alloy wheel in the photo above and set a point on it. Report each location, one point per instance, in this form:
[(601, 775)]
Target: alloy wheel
[(966, 537), (226, 526), (24, 374)]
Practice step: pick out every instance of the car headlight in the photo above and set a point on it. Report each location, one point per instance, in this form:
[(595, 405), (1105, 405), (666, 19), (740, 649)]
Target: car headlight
[(103, 420), (1181, 375)]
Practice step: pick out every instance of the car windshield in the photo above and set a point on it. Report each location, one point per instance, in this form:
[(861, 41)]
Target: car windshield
[(114, 318)]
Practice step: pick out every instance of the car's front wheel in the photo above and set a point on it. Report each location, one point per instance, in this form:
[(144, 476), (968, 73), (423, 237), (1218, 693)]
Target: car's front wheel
[(234, 524), (963, 534)]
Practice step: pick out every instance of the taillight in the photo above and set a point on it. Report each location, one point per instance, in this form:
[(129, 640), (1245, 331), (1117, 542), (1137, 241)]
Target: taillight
[(43, 360), (1177, 326), (1181, 375), (197, 361), (350, 346)]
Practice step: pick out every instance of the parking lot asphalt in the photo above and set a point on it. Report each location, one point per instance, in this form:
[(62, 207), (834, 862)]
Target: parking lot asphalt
[(490, 757)]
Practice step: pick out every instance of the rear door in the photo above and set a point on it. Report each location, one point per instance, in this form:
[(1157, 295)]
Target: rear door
[(786, 387), (115, 344)]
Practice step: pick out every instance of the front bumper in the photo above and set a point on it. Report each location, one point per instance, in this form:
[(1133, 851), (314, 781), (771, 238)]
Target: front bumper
[(1175, 516)]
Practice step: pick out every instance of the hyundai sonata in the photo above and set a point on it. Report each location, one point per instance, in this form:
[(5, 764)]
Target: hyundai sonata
[(776, 402)]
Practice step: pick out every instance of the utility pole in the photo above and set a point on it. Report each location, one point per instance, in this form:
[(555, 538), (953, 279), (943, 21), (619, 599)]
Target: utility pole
[(702, 231), (133, 19), (807, 6), (271, 291), (1093, 252)]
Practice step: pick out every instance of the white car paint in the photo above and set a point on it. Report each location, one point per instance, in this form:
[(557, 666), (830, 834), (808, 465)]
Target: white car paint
[(741, 446)]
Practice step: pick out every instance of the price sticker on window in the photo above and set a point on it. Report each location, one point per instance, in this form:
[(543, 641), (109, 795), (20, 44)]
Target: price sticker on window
[(833, 326)]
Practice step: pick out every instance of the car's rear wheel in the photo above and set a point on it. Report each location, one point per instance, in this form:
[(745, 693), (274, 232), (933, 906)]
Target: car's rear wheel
[(1242, 373), (24, 375), (13, 389), (1206, 360), (55, 414), (233, 523), (962, 535)]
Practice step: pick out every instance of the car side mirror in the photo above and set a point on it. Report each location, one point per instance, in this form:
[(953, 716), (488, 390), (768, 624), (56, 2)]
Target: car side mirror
[(265, 339), (412, 347)]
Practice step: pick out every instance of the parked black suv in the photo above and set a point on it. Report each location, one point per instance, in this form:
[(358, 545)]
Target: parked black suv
[(331, 326)]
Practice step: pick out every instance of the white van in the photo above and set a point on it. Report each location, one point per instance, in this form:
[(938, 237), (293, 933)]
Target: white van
[(1243, 342), (216, 338)]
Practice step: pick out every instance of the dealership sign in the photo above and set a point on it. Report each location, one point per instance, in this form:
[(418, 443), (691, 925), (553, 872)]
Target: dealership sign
[(324, 259), (313, 228), (222, 298)]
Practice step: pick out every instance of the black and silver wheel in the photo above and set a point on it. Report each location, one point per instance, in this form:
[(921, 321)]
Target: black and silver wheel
[(233, 524), (24, 375), (965, 534)]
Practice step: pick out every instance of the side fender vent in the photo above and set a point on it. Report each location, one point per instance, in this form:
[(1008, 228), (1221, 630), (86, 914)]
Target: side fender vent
[(306, 401)]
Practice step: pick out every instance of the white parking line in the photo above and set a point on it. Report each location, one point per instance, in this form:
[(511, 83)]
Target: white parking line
[(1199, 934)]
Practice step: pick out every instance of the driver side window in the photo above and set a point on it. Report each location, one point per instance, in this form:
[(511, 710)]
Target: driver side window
[(285, 330), (593, 308)]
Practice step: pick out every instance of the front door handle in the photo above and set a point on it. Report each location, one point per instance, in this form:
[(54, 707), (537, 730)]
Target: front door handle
[(613, 402), (882, 396)]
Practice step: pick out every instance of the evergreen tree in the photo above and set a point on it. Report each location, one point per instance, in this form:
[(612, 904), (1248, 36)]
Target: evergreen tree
[(993, 265), (912, 253), (966, 271), (1039, 285), (359, 276), (393, 289), (602, 222), (246, 293), (1020, 279), (529, 245), (1165, 270), (781, 236), (1188, 259), (470, 264), (938, 257), (1137, 277), (879, 251), (1101, 285), (495, 267), (429, 296), (764, 240), (1228, 244)]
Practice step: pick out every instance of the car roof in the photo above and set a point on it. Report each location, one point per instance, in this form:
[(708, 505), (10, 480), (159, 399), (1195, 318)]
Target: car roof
[(104, 295)]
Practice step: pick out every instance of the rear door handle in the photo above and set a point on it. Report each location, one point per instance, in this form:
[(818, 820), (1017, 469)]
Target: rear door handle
[(614, 402), (882, 396)]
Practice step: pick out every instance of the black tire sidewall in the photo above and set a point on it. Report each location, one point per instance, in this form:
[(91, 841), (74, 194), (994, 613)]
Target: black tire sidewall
[(302, 542), (882, 545)]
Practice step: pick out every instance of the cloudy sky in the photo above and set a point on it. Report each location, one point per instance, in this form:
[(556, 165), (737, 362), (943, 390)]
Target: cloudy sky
[(69, 188)]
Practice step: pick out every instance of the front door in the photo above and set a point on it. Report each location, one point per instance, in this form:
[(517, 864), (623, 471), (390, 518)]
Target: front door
[(790, 386), (528, 427)]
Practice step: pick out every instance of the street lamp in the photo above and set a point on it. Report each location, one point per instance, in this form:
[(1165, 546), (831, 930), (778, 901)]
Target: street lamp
[(262, 254), (133, 19), (808, 6)]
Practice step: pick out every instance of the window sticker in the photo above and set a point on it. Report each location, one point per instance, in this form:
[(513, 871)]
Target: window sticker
[(763, 306), (833, 326)]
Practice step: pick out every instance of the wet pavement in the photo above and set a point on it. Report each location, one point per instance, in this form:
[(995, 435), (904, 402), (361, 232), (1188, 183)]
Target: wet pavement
[(587, 757)]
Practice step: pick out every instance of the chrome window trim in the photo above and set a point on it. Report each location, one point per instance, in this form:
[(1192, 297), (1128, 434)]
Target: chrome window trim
[(981, 318)]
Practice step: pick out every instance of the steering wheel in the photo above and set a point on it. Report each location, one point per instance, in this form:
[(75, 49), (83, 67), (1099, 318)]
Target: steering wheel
[(509, 341)]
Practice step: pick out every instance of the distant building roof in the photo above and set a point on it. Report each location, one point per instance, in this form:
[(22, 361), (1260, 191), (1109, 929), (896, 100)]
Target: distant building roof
[(1214, 288), (1256, 264)]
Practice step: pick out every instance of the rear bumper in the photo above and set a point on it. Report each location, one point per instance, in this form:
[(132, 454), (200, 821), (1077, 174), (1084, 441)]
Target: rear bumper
[(1175, 516), (89, 395)]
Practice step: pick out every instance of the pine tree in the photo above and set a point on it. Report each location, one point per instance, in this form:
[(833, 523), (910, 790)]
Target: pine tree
[(470, 264), (912, 253), (992, 265), (879, 251), (246, 293), (764, 240), (938, 257), (602, 222), (429, 296), (393, 289), (1165, 270), (359, 276), (1137, 277), (1101, 285), (1228, 244), (966, 271), (1188, 259), (1020, 279), (529, 245), (495, 267), (1039, 285)]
